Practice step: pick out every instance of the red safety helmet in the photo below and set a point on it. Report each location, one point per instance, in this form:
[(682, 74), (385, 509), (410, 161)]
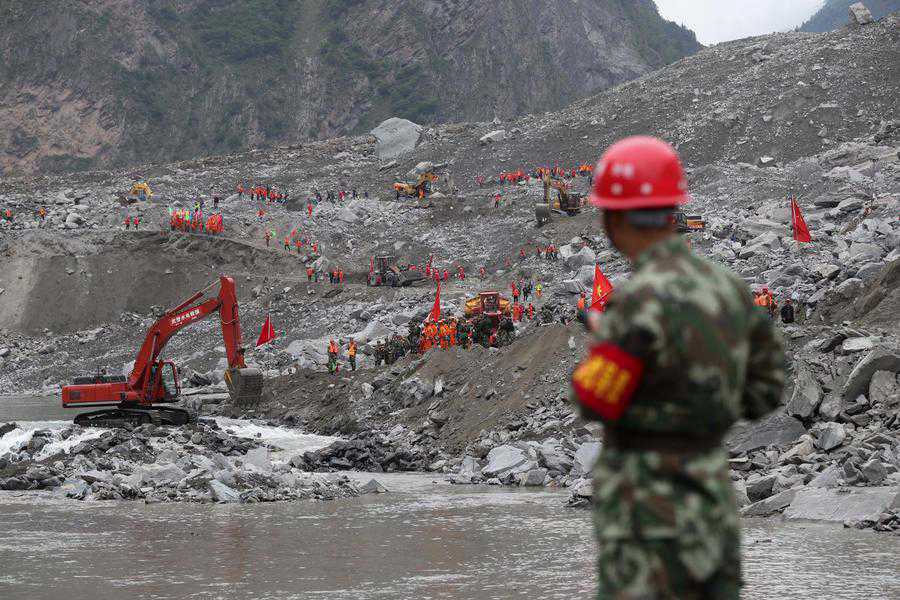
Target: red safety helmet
[(639, 172)]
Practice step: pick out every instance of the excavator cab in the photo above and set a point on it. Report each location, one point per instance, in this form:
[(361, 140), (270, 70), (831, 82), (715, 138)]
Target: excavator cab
[(168, 385)]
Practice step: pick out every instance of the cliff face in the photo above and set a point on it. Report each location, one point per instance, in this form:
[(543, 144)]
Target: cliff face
[(89, 83), (834, 13)]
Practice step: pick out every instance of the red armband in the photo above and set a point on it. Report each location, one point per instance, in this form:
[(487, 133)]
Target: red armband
[(606, 380)]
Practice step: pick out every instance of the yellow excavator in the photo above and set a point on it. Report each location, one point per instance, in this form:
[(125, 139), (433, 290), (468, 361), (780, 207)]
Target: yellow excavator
[(566, 202), (419, 190), (139, 191)]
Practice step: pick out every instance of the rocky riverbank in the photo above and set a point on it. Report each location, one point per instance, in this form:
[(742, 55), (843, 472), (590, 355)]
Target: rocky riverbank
[(200, 462)]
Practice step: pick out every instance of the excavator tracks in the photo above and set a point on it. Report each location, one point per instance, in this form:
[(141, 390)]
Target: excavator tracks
[(134, 417)]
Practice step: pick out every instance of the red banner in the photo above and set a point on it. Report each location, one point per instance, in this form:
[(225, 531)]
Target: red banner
[(801, 231), (435, 314), (267, 334), (602, 289)]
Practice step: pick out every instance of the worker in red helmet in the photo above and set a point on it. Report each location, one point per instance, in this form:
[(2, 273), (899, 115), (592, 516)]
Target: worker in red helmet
[(679, 355)]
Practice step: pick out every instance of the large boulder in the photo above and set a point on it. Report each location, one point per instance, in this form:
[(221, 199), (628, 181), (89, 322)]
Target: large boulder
[(842, 504), (883, 389), (585, 457), (776, 430), (806, 397), (495, 136), (396, 137), (831, 435), (879, 359), (860, 15), (575, 258), (507, 460)]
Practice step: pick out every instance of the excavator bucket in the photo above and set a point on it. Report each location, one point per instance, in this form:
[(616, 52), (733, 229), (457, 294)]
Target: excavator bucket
[(542, 213), (245, 386)]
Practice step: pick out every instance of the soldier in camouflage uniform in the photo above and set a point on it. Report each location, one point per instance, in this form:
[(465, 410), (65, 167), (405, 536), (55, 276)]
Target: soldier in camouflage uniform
[(680, 354)]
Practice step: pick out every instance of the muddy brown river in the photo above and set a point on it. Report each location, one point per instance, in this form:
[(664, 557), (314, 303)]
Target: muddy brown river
[(425, 539)]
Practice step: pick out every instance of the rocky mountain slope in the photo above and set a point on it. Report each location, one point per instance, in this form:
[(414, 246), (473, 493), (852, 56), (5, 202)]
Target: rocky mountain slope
[(105, 83), (834, 13), (756, 120)]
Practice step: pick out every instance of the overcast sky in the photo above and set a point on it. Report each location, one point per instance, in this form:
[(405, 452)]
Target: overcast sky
[(722, 20)]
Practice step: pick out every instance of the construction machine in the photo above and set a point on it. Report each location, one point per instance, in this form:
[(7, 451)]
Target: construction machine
[(689, 223), (153, 383), (566, 201), (490, 304), (421, 188), (385, 272), (490, 316), (139, 191)]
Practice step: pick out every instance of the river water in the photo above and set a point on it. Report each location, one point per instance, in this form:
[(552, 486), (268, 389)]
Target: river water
[(425, 539)]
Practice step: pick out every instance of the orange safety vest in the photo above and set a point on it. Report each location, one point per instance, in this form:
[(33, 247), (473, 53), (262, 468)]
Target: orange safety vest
[(352, 349), (581, 303)]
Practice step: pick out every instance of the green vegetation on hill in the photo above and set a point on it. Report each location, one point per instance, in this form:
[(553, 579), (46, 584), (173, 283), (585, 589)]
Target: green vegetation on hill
[(835, 13)]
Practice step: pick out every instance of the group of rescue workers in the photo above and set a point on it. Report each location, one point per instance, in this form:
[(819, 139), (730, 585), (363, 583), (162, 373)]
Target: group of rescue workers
[(765, 300), (557, 172), (194, 221)]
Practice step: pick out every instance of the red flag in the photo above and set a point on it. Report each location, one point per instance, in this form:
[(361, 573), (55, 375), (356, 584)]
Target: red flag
[(602, 289), (371, 265), (801, 231), (435, 314), (267, 334)]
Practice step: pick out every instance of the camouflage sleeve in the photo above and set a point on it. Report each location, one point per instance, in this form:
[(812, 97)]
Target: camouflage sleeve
[(632, 321), (765, 367)]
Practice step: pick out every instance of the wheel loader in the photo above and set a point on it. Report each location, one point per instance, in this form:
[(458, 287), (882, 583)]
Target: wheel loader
[(142, 396), (385, 272)]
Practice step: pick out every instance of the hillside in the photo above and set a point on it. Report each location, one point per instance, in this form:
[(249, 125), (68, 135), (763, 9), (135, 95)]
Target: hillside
[(834, 13), (101, 83)]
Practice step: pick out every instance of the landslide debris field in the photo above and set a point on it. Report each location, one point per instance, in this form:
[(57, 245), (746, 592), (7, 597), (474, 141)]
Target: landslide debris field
[(814, 115)]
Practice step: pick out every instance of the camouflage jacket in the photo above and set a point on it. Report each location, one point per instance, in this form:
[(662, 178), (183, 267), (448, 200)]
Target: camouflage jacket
[(708, 359)]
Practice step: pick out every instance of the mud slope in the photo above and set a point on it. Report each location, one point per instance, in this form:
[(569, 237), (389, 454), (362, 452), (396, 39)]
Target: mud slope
[(480, 389), (66, 289)]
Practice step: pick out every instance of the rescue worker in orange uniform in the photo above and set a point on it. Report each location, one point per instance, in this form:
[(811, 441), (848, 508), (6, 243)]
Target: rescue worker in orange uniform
[(582, 302), (333, 351), (351, 354)]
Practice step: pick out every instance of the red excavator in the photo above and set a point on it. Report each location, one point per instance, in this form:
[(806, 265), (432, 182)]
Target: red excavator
[(154, 382)]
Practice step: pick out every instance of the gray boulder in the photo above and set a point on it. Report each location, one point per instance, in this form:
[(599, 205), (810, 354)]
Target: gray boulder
[(843, 504), (860, 15), (494, 136), (506, 460), (831, 435), (372, 487), (826, 271), (575, 258), (222, 493), (806, 397), (585, 457), (533, 477), (883, 389), (396, 137), (776, 430), (860, 377), (770, 505)]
